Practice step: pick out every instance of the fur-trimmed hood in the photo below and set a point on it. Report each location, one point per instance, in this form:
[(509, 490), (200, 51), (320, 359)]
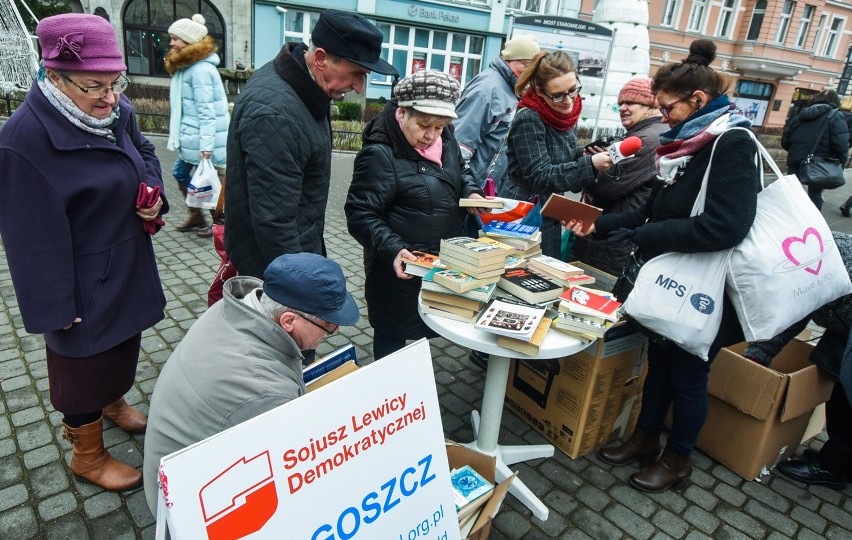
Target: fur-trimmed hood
[(191, 54)]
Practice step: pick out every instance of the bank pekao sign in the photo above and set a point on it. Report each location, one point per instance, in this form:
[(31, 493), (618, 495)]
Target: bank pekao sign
[(360, 458), (432, 14)]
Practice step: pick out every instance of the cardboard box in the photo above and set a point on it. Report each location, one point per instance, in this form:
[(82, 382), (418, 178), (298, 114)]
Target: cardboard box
[(758, 415), (486, 465), (816, 424), (585, 400)]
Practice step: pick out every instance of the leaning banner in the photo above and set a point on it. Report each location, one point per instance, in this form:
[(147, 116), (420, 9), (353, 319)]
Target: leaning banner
[(360, 458)]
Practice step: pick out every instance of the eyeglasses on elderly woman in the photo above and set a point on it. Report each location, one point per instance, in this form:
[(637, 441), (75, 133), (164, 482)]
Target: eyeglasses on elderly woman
[(99, 91)]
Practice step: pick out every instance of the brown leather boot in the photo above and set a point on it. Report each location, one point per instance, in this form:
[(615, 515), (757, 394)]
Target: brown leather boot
[(194, 221), (91, 462), (671, 470), (642, 446), (126, 417)]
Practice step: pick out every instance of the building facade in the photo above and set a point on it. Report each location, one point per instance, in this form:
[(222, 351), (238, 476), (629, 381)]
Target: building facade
[(777, 52)]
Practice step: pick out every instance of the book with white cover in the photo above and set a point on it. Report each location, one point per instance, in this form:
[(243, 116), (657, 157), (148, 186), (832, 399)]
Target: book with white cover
[(514, 320)]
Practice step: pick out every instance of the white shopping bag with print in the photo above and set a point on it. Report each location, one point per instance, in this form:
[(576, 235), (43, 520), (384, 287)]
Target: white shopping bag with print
[(788, 265), (203, 189)]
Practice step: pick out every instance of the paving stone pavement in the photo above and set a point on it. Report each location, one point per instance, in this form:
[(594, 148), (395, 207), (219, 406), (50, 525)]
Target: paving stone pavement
[(39, 498)]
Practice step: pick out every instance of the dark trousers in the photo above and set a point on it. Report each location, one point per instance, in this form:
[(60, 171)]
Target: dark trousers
[(678, 379), (836, 453), (385, 343)]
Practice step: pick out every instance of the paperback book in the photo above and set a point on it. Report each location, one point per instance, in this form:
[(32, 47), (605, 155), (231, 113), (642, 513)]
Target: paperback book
[(529, 286), (328, 362), (522, 245), (470, 490), (458, 281), (511, 319), (512, 230), (480, 294), (450, 299), (472, 251), (561, 208), (422, 265), (530, 347), (481, 203), (553, 266), (581, 300)]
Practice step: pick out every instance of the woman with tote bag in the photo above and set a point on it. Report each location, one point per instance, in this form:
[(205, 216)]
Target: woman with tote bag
[(693, 101)]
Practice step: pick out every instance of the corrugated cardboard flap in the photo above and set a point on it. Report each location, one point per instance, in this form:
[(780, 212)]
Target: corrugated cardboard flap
[(479, 531), (806, 389), (743, 384)]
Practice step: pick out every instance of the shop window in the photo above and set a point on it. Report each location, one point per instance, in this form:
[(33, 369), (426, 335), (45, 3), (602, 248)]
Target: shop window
[(146, 31)]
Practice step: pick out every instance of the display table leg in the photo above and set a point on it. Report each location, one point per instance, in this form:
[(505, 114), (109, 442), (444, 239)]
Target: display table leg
[(487, 428)]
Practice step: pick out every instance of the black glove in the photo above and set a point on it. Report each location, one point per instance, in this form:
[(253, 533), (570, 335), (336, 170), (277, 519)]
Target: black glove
[(622, 234)]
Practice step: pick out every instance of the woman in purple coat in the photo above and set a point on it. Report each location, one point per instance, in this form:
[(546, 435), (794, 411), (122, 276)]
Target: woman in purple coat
[(79, 199)]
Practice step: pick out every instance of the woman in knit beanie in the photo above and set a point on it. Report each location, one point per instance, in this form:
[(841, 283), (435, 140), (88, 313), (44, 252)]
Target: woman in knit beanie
[(627, 184), (198, 128)]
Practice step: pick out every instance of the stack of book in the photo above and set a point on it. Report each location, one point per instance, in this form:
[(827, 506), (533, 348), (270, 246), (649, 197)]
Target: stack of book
[(461, 301), (588, 313), (524, 247), (481, 260), (510, 319), (532, 346), (529, 286), (564, 273), (471, 491)]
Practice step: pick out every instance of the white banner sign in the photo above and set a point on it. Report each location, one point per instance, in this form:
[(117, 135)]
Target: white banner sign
[(360, 458)]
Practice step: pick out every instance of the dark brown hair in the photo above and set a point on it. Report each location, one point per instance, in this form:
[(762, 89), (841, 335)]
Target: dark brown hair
[(544, 67), (693, 73), (826, 96)]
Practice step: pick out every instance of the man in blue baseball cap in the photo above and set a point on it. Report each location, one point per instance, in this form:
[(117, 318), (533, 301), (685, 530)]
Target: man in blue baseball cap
[(243, 357)]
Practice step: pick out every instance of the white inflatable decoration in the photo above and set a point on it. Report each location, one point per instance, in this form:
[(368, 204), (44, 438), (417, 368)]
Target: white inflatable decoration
[(630, 58)]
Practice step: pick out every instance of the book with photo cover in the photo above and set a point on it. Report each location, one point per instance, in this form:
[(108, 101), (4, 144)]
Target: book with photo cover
[(561, 208), (529, 286), (480, 294), (582, 300), (472, 250), (510, 319), (469, 487), (421, 266), (458, 281)]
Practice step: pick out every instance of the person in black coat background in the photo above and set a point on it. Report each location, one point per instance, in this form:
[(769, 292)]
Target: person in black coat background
[(802, 130), (694, 103), (404, 196), (847, 115)]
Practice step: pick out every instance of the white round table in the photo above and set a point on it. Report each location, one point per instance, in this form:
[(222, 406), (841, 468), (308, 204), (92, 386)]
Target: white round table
[(486, 427)]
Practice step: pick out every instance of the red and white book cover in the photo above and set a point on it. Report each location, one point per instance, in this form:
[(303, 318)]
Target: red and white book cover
[(591, 300)]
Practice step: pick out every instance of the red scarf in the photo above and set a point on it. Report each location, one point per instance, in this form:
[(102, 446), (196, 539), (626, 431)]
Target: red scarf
[(552, 118)]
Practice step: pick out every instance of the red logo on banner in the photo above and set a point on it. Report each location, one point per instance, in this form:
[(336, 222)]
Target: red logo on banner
[(239, 500)]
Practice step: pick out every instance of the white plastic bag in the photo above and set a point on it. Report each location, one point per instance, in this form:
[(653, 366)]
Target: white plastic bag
[(788, 265), (680, 295), (203, 189)]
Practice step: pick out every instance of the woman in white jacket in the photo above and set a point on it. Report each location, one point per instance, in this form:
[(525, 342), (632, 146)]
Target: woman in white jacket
[(198, 128)]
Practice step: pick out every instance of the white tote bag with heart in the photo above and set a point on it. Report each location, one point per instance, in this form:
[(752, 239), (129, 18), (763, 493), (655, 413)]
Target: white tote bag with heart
[(788, 265), (680, 295)]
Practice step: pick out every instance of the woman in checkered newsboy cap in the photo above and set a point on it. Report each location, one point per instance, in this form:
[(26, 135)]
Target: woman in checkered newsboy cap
[(408, 179)]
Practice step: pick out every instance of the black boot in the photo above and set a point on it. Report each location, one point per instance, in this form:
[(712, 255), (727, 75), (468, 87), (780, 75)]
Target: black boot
[(809, 472)]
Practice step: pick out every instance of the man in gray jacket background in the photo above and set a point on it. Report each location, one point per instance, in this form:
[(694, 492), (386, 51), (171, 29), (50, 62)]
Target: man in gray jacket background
[(242, 357), (486, 109), (279, 140)]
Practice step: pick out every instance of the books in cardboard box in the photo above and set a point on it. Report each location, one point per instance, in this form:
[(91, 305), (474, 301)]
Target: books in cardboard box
[(529, 286), (458, 281), (582, 300), (553, 266), (423, 263), (480, 294), (470, 490), (532, 346), (472, 251), (511, 319)]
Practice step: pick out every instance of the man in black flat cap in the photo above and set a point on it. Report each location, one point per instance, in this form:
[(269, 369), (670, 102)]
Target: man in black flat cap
[(279, 140)]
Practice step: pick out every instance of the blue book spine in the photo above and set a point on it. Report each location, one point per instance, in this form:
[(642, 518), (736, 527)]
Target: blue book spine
[(329, 362)]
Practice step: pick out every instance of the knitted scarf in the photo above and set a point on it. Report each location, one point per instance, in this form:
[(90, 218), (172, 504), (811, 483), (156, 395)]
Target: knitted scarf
[(102, 127), (554, 119), (679, 144)]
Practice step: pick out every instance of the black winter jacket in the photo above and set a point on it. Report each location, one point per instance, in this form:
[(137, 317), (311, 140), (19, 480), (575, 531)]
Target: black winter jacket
[(279, 165), (801, 132), (629, 189), (397, 200)]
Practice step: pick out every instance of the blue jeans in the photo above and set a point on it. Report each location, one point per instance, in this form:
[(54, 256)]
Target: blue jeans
[(182, 172)]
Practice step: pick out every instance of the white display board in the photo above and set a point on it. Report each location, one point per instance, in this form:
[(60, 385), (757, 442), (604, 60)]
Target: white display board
[(360, 458)]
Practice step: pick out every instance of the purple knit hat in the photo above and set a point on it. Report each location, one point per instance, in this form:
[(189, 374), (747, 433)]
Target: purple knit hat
[(79, 42)]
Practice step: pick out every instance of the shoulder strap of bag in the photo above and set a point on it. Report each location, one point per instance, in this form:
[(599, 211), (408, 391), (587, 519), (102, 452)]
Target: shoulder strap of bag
[(698, 206), (817, 140), (220, 203)]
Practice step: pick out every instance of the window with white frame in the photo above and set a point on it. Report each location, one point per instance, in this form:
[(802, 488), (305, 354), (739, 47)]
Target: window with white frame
[(833, 37), (726, 18), (756, 20), (784, 22), (542, 7), (298, 26), (823, 21), (696, 16), (805, 25), (670, 11), (411, 49)]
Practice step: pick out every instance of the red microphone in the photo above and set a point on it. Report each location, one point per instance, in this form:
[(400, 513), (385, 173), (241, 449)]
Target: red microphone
[(622, 150)]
